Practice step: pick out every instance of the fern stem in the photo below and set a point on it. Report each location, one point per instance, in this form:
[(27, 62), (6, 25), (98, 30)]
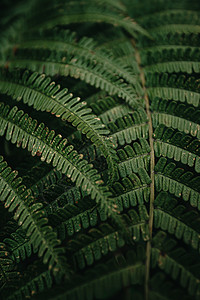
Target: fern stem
[(152, 165)]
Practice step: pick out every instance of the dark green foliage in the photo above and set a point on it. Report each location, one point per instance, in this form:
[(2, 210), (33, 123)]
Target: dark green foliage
[(31, 218), (100, 117)]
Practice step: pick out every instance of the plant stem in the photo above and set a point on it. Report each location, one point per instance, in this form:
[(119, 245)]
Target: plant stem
[(152, 165)]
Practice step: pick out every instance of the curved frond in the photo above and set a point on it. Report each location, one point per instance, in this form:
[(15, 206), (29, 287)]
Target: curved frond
[(87, 13), (85, 47), (43, 94), (60, 63), (22, 130), (32, 218), (36, 285)]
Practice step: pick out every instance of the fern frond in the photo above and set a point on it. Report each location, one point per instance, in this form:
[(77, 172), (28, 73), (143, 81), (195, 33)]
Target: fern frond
[(172, 16), (179, 146), (130, 134), (132, 158), (116, 112), (96, 95), (129, 128), (49, 178), (131, 181), (161, 54), (86, 47), (175, 28), (176, 115), (38, 91), (173, 225), (174, 38), (171, 59), (175, 66), (173, 87), (164, 289), (133, 165), (77, 212), (120, 47), (177, 181), (19, 245), (65, 224), (38, 176), (171, 205), (175, 122), (8, 272), (12, 22), (63, 193), (139, 195), (36, 285), (176, 271), (177, 153), (113, 4), (31, 217), (178, 189), (87, 13), (176, 108), (131, 271), (110, 110), (129, 192), (80, 220), (99, 241), (71, 224), (115, 176), (177, 138), (59, 62), (22, 130)]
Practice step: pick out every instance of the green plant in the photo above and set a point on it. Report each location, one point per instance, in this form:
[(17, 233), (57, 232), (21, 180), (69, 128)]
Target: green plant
[(99, 116)]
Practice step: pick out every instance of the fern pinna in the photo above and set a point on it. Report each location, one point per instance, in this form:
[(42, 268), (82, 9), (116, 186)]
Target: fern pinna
[(100, 149)]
